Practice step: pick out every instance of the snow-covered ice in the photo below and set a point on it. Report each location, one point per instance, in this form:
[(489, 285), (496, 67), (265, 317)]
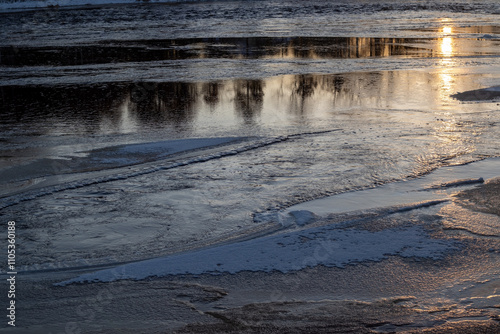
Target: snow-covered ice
[(330, 245), (327, 246)]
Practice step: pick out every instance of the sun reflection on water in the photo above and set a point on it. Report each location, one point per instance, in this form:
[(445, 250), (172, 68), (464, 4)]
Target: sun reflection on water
[(447, 63), (447, 46), (451, 136), (446, 30)]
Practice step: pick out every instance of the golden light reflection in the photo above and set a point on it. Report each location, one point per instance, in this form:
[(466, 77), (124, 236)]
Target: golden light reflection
[(452, 137), (446, 86), (446, 42), (447, 46), (448, 130), (446, 81), (447, 30)]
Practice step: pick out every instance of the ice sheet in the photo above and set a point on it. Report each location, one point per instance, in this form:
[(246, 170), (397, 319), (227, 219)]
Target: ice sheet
[(292, 251), (433, 189), (330, 245)]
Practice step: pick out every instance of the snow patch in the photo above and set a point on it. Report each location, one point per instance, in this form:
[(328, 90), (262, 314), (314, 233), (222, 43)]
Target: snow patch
[(326, 245)]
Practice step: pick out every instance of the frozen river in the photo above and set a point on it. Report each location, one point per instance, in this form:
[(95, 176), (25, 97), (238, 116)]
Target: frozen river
[(235, 136)]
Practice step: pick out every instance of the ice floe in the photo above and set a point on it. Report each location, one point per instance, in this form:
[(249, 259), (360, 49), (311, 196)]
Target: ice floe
[(327, 245)]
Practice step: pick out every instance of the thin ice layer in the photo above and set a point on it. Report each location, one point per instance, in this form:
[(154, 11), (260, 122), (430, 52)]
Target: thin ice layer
[(326, 246)]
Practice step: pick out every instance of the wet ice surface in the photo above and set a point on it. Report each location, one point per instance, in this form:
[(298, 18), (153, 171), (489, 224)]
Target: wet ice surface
[(338, 242), (305, 137), (244, 19), (333, 133), (183, 202), (209, 59), (434, 189), (66, 122), (139, 140)]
